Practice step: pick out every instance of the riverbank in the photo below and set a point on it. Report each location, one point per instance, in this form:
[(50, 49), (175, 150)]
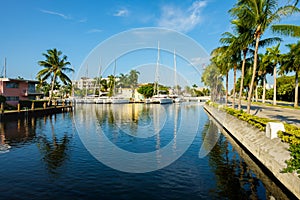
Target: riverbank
[(272, 154), (15, 114)]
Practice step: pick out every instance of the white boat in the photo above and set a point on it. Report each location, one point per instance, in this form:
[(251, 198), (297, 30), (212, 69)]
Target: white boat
[(161, 98), (147, 101), (119, 100), (79, 100), (101, 99), (178, 100), (88, 100)]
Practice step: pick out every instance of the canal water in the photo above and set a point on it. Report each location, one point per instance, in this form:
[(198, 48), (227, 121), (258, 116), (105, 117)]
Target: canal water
[(127, 152)]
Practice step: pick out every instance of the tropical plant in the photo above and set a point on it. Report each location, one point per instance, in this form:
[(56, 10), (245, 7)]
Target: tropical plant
[(146, 90), (291, 63), (264, 68), (123, 80), (111, 85), (222, 61), (212, 78), (259, 14), (242, 42), (104, 85), (234, 56), (55, 67), (273, 55), (133, 79)]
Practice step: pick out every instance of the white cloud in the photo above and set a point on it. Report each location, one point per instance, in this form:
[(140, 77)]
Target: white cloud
[(121, 13), (82, 20), (200, 62), (94, 31), (56, 13), (183, 20)]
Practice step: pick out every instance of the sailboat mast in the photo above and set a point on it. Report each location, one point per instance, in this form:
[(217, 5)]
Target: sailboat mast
[(86, 82), (73, 84), (97, 78), (175, 73), (156, 72), (100, 75), (114, 90), (5, 67)]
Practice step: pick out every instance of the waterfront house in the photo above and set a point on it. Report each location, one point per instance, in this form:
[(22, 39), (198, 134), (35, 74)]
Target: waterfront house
[(18, 89)]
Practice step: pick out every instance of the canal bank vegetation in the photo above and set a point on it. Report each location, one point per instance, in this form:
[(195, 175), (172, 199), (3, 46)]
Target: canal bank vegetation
[(291, 135)]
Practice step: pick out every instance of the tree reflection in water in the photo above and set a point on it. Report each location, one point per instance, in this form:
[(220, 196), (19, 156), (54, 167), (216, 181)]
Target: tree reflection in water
[(53, 148), (231, 172)]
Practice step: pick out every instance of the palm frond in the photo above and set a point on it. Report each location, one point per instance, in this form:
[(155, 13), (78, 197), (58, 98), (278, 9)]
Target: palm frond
[(286, 29)]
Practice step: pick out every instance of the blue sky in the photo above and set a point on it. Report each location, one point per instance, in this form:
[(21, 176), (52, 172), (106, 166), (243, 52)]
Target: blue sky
[(30, 27)]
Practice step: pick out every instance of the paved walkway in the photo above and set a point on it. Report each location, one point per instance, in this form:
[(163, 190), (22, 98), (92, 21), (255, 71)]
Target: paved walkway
[(288, 115)]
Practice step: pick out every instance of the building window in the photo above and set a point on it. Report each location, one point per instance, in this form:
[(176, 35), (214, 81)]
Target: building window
[(12, 98), (12, 85), (31, 87)]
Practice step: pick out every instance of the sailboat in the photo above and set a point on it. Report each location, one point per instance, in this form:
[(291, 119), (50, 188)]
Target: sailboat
[(117, 99), (102, 97), (158, 97), (174, 96)]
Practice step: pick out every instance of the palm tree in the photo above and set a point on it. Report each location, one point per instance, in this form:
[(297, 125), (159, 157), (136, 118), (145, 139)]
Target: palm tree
[(264, 68), (242, 42), (104, 85), (234, 55), (111, 85), (273, 55), (259, 14), (55, 67), (133, 79), (220, 59), (212, 78), (123, 80), (291, 63)]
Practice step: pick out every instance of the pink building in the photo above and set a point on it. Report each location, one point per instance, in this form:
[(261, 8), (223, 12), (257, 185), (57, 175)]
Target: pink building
[(18, 89)]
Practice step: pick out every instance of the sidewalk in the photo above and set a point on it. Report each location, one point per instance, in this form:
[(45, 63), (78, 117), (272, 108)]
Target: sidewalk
[(288, 115)]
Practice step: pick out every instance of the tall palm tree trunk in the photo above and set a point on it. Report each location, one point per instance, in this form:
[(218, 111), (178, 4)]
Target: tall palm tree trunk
[(242, 79), (234, 84), (256, 93), (253, 74), (274, 87), (226, 101), (52, 88), (264, 89), (296, 90)]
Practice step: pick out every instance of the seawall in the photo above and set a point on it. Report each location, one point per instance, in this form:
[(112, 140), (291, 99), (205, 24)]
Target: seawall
[(272, 154)]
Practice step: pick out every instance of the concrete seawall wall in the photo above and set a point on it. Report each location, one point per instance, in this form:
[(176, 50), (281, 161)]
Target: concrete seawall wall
[(270, 153)]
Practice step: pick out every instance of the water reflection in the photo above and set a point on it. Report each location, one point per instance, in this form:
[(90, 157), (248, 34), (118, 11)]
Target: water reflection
[(47, 161), (137, 131), (17, 133), (53, 149), (236, 171), (52, 144)]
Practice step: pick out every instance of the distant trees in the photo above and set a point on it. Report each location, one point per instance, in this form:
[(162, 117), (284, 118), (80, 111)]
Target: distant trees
[(212, 78), (146, 90), (291, 63)]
